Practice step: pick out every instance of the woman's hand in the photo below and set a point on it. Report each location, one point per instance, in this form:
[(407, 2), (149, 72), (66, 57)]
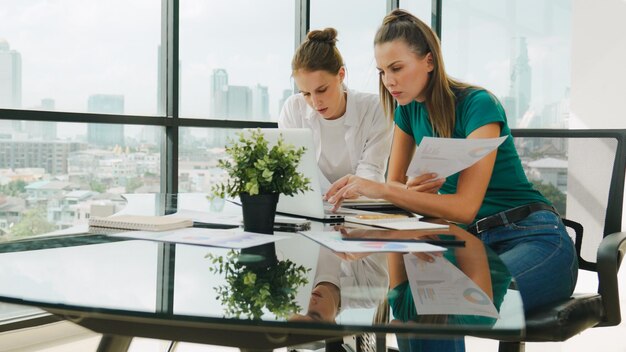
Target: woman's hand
[(428, 257), (351, 186), (427, 183)]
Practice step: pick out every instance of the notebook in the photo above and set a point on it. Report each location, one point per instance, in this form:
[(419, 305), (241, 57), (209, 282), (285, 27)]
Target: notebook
[(141, 222), (308, 204)]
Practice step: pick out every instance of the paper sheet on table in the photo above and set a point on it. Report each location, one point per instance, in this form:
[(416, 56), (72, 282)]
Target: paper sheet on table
[(332, 240), (441, 288), (395, 223), (206, 237), (447, 156)]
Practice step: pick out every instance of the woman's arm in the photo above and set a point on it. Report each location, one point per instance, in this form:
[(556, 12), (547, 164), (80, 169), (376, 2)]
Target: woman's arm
[(402, 150), (460, 207), (397, 271)]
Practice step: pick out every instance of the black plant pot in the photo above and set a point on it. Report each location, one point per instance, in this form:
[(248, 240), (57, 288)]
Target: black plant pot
[(258, 212), (258, 216)]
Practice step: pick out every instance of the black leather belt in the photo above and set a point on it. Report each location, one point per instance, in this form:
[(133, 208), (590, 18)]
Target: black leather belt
[(508, 216)]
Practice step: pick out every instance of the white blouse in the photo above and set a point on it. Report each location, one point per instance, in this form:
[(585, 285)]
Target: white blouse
[(366, 133)]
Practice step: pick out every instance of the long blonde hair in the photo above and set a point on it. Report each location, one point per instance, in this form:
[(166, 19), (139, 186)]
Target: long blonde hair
[(439, 94)]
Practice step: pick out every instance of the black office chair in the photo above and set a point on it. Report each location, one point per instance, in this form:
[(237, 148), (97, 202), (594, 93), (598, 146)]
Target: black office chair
[(591, 155)]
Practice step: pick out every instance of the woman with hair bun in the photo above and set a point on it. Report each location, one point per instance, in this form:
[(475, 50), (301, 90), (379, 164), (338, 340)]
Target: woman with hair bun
[(351, 133)]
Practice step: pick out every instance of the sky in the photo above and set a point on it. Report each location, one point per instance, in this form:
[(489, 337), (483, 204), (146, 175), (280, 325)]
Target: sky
[(74, 48)]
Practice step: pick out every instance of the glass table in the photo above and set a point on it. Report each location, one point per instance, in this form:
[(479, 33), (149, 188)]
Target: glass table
[(124, 288)]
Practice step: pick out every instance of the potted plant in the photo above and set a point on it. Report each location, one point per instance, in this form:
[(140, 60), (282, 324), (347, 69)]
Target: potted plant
[(248, 291), (258, 174)]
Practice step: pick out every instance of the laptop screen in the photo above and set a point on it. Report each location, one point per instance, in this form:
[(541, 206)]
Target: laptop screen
[(308, 204)]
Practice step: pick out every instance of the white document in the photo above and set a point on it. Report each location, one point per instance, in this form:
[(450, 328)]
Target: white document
[(400, 223), (333, 241), (441, 288), (447, 156), (205, 237)]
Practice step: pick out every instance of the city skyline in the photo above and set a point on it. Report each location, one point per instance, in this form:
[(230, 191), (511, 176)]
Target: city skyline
[(10, 76), (266, 63)]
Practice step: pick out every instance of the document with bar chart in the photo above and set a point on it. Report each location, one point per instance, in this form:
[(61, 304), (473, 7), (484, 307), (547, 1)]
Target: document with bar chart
[(439, 287)]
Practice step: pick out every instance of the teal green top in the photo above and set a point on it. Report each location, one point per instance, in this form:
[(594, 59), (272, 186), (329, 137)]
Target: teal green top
[(508, 187)]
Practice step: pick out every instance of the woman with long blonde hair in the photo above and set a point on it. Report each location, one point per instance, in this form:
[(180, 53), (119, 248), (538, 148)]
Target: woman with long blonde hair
[(492, 199)]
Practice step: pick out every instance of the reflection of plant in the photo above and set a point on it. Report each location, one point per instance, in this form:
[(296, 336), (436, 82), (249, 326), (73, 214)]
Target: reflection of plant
[(248, 290), (255, 168)]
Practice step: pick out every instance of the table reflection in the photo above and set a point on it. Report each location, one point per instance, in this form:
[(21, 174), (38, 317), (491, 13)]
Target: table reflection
[(182, 285), (343, 282), (255, 280)]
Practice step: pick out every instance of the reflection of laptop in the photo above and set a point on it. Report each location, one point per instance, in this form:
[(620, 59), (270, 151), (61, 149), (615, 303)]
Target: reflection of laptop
[(308, 204)]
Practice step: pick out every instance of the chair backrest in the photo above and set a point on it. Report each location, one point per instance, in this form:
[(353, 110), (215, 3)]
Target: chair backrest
[(583, 173)]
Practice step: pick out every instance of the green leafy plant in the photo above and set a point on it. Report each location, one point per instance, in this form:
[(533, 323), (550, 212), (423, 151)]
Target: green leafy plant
[(248, 290), (255, 168)]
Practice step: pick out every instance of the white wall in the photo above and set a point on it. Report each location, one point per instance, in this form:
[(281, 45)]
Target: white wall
[(598, 94)]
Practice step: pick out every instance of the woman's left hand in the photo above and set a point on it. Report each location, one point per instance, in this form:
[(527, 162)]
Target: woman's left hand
[(428, 183), (351, 186)]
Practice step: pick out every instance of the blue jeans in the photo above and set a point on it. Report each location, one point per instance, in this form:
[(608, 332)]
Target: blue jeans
[(539, 254)]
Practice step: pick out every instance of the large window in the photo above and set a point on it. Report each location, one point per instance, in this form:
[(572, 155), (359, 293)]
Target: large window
[(235, 58), (519, 50), (89, 57), (420, 8), (84, 86), (56, 175), (61, 54), (356, 23)]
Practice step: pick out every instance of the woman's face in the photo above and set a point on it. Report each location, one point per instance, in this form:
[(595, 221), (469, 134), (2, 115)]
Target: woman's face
[(322, 304), (323, 91), (404, 73)]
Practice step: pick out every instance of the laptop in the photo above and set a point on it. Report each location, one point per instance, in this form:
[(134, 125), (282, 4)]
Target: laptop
[(308, 204)]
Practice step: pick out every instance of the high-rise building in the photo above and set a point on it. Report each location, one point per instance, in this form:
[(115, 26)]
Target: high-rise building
[(105, 135), (286, 94), (10, 77), (260, 103), (42, 130), (239, 102), (219, 94), (10, 86), (518, 101), (48, 104), (218, 108), (50, 155)]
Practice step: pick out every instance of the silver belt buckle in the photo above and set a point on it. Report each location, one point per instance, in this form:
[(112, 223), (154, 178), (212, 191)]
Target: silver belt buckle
[(477, 225)]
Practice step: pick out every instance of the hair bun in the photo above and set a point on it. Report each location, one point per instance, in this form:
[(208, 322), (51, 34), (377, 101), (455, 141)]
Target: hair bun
[(327, 35)]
